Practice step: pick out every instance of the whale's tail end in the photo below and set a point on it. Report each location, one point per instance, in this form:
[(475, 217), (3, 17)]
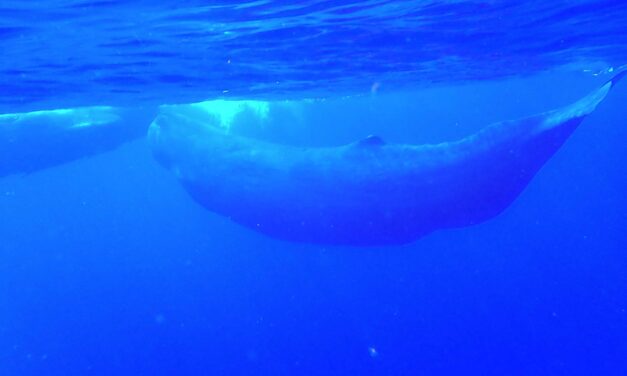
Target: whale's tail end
[(582, 107)]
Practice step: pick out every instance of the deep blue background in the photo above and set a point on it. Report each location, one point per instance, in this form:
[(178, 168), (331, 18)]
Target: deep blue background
[(108, 268)]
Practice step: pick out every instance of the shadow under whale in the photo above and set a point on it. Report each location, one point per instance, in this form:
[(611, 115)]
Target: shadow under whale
[(366, 193)]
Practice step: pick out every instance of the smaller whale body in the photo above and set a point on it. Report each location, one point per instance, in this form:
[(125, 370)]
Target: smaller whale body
[(366, 193), (33, 141)]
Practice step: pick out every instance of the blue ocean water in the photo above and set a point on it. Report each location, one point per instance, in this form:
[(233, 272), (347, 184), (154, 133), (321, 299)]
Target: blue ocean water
[(107, 267)]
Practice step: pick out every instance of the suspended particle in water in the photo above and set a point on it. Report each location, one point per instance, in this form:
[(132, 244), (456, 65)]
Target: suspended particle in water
[(375, 87), (373, 352), (159, 319)]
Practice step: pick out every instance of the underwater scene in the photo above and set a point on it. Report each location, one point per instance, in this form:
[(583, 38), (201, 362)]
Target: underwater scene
[(313, 188)]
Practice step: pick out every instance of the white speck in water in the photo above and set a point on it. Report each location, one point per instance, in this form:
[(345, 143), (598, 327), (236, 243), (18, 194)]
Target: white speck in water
[(373, 352)]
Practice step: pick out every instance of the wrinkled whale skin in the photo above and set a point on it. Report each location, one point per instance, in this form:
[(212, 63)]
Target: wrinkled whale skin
[(367, 193)]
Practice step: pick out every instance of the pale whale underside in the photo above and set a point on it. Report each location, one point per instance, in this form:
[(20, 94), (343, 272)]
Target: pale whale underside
[(366, 193)]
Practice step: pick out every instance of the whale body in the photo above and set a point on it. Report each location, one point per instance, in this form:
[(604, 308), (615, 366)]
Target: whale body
[(366, 193), (32, 141)]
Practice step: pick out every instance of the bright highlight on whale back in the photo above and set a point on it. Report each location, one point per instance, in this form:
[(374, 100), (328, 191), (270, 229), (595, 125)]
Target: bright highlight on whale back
[(225, 112), (63, 118), (365, 193)]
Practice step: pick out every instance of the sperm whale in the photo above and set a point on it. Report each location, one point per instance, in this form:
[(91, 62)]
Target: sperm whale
[(33, 141), (366, 193)]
